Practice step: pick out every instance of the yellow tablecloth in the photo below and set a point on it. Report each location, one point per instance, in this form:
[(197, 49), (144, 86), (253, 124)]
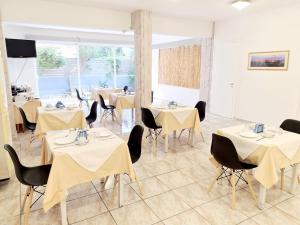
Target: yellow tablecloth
[(176, 119), (105, 92), (30, 109), (66, 172), (267, 154), (121, 101), (59, 120)]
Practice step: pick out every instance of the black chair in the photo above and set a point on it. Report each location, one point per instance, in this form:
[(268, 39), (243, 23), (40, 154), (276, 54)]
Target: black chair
[(201, 107), (125, 88), (224, 152), (291, 126), (81, 99), (135, 149), (92, 117), (149, 122), (29, 125), (107, 109), (32, 177)]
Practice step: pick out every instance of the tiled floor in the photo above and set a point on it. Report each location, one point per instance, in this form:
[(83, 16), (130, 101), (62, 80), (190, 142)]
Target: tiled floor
[(174, 186)]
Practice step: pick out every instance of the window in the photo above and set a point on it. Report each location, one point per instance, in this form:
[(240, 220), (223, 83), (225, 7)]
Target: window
[(64, 67)]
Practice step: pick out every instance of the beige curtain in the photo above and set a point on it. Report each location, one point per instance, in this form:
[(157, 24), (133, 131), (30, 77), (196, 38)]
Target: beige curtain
[(180, 66)]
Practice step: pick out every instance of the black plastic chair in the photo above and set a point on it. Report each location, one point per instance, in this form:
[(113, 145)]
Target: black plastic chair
[(33, 177), (81, 99), (107, 109), (29, 125), (125, 88), (291, 126), (135, 143), (92, 117), (149, 121), (224, 152), (201, 107)]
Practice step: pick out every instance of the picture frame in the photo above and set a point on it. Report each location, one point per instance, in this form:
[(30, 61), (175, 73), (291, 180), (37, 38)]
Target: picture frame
[(273, 60)]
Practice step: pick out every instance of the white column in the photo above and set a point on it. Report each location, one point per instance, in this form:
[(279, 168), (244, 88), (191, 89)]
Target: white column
[(141, 23)]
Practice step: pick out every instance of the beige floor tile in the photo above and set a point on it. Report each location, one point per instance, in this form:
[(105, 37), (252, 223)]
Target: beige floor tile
[(195, 194), (15, 220), (134, 214), (81, 190), (103, 219), (179, 161), (38, 217), (9, 189), (198, 172), (167, 204), (142, 172), (110, 197), (275, 216), (159, 167), (248, 222), (175, 179), (219, 212), (84, 208), (245, 203), (291, 207), (9, 207), (150, 187), (190, 217)]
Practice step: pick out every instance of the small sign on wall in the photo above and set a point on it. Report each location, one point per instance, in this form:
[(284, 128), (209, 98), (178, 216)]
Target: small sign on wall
[(276, 60)]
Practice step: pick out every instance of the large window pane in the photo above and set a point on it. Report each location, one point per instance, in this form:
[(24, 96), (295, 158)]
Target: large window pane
[(57, 69), (125, 69)]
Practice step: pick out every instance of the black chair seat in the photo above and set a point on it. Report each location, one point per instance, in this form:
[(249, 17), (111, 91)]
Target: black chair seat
[(31, 126), (110, 107), (37, 176), (247, 166)]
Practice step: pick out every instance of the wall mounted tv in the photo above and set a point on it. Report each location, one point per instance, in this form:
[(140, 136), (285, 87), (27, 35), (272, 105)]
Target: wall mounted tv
[(18, 48)]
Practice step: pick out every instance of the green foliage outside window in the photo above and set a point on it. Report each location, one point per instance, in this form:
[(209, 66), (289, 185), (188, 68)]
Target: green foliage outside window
[(49, 58)]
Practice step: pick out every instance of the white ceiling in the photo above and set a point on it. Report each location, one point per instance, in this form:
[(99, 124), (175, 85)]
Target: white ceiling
[(202, 9)]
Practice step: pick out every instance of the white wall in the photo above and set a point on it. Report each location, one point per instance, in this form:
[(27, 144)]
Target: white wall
[(266, 96)]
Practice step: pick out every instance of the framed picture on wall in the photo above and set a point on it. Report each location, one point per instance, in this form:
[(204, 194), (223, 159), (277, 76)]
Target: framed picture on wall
[(276, 60)]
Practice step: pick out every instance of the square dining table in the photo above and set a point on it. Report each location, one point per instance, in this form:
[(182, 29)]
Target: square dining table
[(269, 154), (173, 119), (59, 119), (104, 154), (122, 101), (104, 92)]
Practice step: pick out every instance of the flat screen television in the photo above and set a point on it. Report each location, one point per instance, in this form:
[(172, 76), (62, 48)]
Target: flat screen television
[(18, 48)]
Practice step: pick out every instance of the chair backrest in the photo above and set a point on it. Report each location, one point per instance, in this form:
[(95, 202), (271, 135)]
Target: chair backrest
[(135, 143), (200, 106), (25, 120), (125, 88), (19, 168), (102, 102), (148, 118), (291, 125), (78, 95), (93, 112), (224, 152)]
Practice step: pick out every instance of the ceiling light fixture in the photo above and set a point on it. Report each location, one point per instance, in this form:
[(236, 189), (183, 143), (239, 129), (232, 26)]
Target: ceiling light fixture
[(240, 4)]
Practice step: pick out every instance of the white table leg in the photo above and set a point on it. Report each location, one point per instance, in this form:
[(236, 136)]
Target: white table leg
[(294, 178), (120, 192), (174, 134), (63, 212), (132, 114), (261, 196), (166, 143)]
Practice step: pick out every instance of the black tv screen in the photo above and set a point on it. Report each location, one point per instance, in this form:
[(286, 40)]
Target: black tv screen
[(17, 48)]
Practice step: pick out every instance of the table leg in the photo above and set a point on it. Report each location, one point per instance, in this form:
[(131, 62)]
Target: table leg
[(63, 212), (192, 138), (132, 114), (294, 178), (166, 143), (120, 192), (261, 196), (174, 134)]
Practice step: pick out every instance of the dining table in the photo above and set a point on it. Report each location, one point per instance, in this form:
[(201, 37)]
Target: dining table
[(271, 150), (104, 92), (75, 162), (174, 119), (122, 101), (52, 118)]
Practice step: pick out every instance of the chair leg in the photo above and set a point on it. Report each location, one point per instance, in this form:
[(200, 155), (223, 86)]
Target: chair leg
[(139, 185), (105, 181), (180, 133), (202, 137), (248, 179), (25, 198), (282, 178), (232, 180), (219, 172), (27, 209)]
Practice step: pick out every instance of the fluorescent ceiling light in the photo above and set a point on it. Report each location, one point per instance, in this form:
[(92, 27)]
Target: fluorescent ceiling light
[(240, 4)]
